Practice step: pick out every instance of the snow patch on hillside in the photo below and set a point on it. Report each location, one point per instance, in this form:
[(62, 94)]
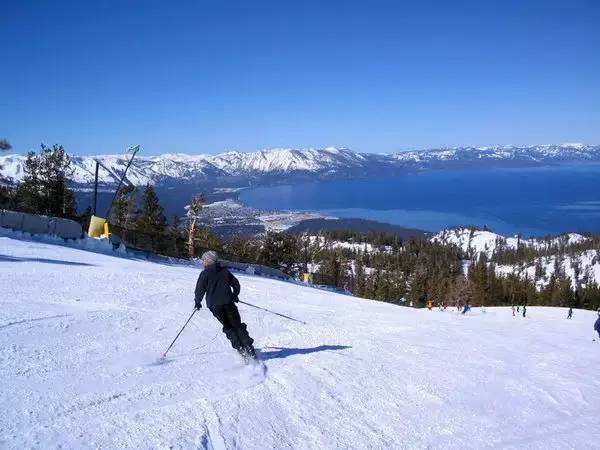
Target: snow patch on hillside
[(587, 262), (478, 241)]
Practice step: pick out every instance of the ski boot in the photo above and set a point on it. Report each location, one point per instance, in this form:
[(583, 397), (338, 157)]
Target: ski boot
[(249, 354)]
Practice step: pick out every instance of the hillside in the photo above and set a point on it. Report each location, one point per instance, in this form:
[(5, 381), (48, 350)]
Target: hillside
[(81, 332), (555, 254), (480, 241)]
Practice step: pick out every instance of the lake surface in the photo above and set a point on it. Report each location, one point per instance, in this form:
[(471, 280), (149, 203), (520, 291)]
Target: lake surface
[(528, 201)]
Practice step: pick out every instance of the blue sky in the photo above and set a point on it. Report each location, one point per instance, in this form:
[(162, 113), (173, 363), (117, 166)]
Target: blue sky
[(209, 76)]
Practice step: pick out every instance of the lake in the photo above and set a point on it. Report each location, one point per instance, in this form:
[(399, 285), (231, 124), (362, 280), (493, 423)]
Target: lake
[(526, 201)]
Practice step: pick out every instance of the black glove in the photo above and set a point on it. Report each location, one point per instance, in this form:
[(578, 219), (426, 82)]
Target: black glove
[(198, 305), (236, 299)]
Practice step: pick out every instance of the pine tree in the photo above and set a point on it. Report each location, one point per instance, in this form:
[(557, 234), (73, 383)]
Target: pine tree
[(152, 219), (123, 206), (280, 250), (29, 196), (360, 277), (44, 188)]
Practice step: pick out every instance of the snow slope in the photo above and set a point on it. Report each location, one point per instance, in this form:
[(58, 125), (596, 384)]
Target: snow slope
[(80, 333)]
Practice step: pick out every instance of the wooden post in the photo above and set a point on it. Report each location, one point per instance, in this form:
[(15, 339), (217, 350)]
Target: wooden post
[(96, 188)]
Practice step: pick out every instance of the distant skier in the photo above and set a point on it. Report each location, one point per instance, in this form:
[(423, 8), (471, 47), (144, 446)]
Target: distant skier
[(429, 305), (517, 309), (513, 310), (222, 290), (524, 310), (597, 324), (466, 308), (570, 315)]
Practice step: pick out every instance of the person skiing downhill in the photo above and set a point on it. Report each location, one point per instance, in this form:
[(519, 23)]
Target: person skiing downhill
[(222, 289), (597, 324), (570, 315)]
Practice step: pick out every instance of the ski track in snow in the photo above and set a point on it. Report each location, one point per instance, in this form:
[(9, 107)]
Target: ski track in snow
[(79, 366)]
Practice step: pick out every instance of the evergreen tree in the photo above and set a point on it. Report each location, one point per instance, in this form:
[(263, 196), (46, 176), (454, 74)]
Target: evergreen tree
[(152, 219), (280, 250), (360, 277), (44, 188), (124, 207), (29, 192)]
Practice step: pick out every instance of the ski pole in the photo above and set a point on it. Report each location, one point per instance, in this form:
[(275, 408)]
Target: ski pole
[(192, 315), (273, 312)]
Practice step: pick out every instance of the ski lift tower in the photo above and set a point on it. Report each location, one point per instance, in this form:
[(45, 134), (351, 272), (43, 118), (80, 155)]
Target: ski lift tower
[(99, 225)]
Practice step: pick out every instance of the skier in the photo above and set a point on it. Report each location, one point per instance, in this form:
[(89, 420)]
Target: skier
[(524, 310), (222, 290), (466, 308), (597, 324), (513, 310), (570, 315)]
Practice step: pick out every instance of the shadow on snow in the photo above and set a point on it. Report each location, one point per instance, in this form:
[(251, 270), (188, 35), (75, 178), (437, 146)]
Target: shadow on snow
[(282, 352), (42, 260)]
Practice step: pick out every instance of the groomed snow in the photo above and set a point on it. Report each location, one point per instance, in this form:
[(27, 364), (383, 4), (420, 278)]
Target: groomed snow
[(80, 333)]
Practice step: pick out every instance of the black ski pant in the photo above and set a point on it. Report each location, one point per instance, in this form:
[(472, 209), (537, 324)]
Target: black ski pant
[(233, 327)]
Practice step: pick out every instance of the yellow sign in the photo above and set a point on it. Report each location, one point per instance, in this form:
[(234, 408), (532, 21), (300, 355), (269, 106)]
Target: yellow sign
[(98, 226)]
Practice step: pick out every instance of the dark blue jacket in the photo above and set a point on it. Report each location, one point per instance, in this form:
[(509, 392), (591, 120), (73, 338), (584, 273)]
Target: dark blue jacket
[(219, 285), (597, 325)]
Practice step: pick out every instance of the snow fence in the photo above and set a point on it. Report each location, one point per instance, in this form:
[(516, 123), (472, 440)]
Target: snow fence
[(38, 224), (256, 269)]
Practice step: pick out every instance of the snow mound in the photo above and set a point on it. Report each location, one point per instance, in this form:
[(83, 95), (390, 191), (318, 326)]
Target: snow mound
[(81, 332)]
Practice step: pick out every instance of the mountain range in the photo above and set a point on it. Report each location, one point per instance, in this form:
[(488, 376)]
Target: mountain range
[(274, 164)]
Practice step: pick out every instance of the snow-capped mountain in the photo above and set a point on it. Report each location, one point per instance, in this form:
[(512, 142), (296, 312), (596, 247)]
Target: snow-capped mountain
[(532, 154), (327, 162)]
